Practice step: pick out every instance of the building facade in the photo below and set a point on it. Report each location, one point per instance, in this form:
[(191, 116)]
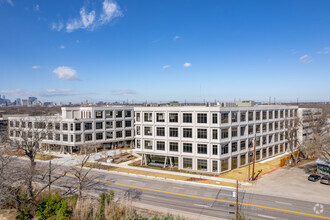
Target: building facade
[(308, 120), (109, 127), (210, 139)]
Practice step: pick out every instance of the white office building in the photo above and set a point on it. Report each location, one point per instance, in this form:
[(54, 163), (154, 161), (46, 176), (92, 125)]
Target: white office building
[(210, 139), (110, 127), (308, 120)]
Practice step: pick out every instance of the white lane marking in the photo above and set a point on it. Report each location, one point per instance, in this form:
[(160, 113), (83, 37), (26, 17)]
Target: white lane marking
[(266, 216), (284, 203), (201, 205), (154, 197)]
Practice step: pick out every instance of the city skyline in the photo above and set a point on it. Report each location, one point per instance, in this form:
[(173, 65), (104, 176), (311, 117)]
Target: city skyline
[(163, 51)]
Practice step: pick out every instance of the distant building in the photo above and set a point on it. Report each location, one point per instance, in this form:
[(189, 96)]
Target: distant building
[(18, 101), (25, 102), (32, 100)]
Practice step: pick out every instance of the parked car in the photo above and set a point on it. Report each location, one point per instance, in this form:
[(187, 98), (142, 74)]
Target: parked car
[(314, 177), (325, 180)]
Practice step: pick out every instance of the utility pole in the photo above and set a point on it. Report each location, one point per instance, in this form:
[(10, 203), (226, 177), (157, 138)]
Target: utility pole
[(254, 155), (249, 162), (236, 199), (49, 176)]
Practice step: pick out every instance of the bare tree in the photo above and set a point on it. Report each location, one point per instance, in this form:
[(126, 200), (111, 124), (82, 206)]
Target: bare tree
[(26, 137), (291, 135), (80, 172), (7, 178)]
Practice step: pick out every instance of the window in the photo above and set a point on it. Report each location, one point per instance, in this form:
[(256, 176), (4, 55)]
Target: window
[(99, 125), (160, 131), (128, 114), (201, 148), (270, 138), (128, 133), (174, 132), (49, 126), (233, 146), (108, 114), (224, 133), (264, 140), (138, 130), (187, 118), (264, 127), (214, 149), (148, 145), (173, 117), (224, 148), (264, 153), (202, 133), (264, 115), (119, 124), (128, 124), (65, 126), (224, 118), (234, 132), (224, 165), (119, 114), (202, 165), (50, 136), (202, 118), (270, 126), (270, 114), (88, 126), (187, 147), (281, 114), (214, 166), (160, 145), (98, 114), (78, 126), (187, 163), (148, 117), (276, 114), (109, 135), (148, 131), (242, 130), (88, 137), (250, 116), (119, 134), (187, 132), (138, 144), (258, 116), (108, 124), (243, 145), (270, 151), (234, 116), (214, 118), (78, 137), (99, 136), (160, 117), (243, 159), (243, 116), (250, 129), (215, 134), (57, 128), (138, 117), (174, 146), (258, 130)]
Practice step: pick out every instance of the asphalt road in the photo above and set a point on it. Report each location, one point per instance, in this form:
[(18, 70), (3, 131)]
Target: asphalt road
[(202, 202)]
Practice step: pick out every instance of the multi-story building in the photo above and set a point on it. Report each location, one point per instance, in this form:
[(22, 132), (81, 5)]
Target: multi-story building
[(107, 126), (210, 139), (309, 120)]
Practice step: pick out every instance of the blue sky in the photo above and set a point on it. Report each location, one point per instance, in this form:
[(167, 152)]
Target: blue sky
[(164, 50)]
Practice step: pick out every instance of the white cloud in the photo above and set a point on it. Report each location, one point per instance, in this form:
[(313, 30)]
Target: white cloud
[(10, 2), (18, 92), (56, 92), (123, 92), (187, 64), (36, 67), (305, 59), (166, 66), (91, 20), (57, 26), (176, 37), (324, 51), (66, 73), (62, 47), (36, 7), (110, 11)]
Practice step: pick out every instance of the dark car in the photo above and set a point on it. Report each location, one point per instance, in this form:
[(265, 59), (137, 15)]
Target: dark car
[(314, 177), (325, 180)]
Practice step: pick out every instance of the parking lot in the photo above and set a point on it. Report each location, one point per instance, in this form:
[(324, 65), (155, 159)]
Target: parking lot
[(292, 183)]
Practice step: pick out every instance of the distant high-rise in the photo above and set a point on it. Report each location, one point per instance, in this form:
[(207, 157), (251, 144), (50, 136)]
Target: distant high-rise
[(18, 101), (31, 100)]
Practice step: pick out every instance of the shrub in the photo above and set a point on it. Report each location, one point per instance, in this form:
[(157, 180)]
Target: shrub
[(53, 207)]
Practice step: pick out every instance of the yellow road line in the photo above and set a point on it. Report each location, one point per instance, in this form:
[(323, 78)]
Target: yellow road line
[(201, 197)]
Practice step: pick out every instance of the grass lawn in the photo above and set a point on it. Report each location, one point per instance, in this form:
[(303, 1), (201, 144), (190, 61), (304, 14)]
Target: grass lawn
[(45, 157)]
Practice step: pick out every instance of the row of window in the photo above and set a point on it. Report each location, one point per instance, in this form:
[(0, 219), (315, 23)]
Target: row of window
[(200, 149), (240, 160), (224, 117), (89, 137), (109, 114), (75, 126), (202, 133)]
